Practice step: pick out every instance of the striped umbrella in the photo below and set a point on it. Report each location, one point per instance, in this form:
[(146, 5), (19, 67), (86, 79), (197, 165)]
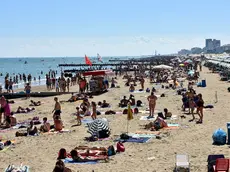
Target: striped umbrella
[(97, 125)]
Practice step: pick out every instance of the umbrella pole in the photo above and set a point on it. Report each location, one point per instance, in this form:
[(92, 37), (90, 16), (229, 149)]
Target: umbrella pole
[(127, 126)]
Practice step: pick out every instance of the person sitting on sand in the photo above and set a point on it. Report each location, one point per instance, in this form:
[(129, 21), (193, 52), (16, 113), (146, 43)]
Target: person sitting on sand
[(33, 103), (32, 130), (58, 124), (24, 110), (132, 100), (2, 109), (60, 167), (157, 124), (113, 82), (123, 102), (131, 88), (46, 126), (57, 108), (104, 104), (167, 114), (85, 105), (78, 114), (7, 114)]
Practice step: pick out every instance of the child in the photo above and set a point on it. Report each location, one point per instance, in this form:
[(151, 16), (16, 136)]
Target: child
[(94, 114), (78, 114), (192, 105)]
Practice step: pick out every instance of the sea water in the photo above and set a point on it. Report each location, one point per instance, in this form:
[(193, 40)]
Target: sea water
[(35, 66)]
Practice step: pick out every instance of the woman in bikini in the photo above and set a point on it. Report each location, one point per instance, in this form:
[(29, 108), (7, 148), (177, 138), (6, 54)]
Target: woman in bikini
[(94, 108), (152, 103), (200, 107)]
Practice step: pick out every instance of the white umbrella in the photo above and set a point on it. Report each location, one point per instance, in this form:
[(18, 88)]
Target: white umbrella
[(162, 67)]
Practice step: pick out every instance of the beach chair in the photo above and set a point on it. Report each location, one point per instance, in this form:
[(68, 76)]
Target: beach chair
[(182, 163), (222, 165), (212, 161)]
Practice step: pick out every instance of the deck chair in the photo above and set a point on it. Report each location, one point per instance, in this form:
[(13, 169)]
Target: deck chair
[(182, 163), (222, 165)]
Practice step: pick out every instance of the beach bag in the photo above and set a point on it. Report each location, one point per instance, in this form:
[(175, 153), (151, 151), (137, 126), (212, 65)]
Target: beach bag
[(136, 110), (120, 147), (163, 95), (124, 136), (125, 111), (98, 112), (20, 133), (139, 103), (219, 137), (111, 151), (62, 154), (147, 90), (1, 145)]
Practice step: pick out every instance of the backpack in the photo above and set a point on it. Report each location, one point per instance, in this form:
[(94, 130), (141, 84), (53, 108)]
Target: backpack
[(124, 136), (136, 110), (219, 137), (120, 147), (111, 151), (125, 111), (147, 90)]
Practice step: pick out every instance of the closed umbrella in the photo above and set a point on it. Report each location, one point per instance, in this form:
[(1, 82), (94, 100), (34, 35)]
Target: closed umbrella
[(97, 125)]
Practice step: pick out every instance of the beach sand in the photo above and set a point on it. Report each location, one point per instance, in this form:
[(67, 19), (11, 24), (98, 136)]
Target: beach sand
[(158, 155)]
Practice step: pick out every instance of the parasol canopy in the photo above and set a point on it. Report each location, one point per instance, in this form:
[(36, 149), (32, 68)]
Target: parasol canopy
[(98, 125)]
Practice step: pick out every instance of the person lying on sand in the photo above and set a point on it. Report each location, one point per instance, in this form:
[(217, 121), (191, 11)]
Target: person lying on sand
[(33, 103), (157, 124), (32, 130), (24, 110), (45, 127)]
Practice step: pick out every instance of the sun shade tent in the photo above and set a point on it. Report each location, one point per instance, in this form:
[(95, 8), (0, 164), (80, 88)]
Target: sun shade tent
[(98, 72), (98, 125)]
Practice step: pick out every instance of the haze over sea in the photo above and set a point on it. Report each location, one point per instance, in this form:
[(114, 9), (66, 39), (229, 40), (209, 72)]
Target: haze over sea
[(34, 66)]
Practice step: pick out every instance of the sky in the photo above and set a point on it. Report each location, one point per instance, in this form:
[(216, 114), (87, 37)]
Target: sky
[(59, 28)]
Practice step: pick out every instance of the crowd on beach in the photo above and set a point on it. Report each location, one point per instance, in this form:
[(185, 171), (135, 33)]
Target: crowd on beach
[(190, 100)]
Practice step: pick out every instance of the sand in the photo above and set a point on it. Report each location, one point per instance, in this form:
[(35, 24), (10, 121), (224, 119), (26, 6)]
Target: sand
[(40, 152)]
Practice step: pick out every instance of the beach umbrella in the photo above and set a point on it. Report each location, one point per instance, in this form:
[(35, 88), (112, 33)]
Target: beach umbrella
[(129, 116), (97, 125), (162, 67)]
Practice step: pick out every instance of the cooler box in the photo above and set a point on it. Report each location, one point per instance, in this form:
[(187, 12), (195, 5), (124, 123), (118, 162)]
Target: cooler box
[(203, 83), (228, 130)]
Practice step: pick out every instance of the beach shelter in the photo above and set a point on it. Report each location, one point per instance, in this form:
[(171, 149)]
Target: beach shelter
[(98, 125)]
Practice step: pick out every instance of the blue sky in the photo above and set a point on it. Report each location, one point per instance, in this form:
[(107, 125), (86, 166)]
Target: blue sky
[(116, 27)]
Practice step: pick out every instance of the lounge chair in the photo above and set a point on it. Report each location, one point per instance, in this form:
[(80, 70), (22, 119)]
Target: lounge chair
[(222, 165), (182, 163)]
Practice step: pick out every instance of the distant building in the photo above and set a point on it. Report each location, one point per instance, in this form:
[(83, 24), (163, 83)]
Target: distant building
[(184, 52), (226, 48), (196, 50), (212, 45)]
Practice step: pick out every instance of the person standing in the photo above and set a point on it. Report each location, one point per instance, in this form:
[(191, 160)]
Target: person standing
[(11, 86), (142, 83), (57, 108), (152, 104), (94, 109), (200, 108), (2, 109), (27, 90)]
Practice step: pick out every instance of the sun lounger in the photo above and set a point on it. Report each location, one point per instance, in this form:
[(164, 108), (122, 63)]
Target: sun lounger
[(182, 163)]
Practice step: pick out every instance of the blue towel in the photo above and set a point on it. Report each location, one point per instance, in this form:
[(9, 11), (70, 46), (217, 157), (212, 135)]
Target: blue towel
[(86, 121), (70, 160), (135, 140), (173, 125)]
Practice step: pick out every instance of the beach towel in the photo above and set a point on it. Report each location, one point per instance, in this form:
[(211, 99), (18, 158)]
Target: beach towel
[(10, 168), (70, 160), (173, 125), (136, 135), (134, 140), (145, 118), (57, 132), (148, 132), (7, 147), (86, 121), (137, 91)]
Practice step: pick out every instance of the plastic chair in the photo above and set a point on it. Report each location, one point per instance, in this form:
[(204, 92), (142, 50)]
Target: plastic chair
[(222, 165), (182, 163)]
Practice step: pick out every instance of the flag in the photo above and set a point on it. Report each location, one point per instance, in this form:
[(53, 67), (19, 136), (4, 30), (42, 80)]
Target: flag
[(130, 113), (99, 58), (87, 61)]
